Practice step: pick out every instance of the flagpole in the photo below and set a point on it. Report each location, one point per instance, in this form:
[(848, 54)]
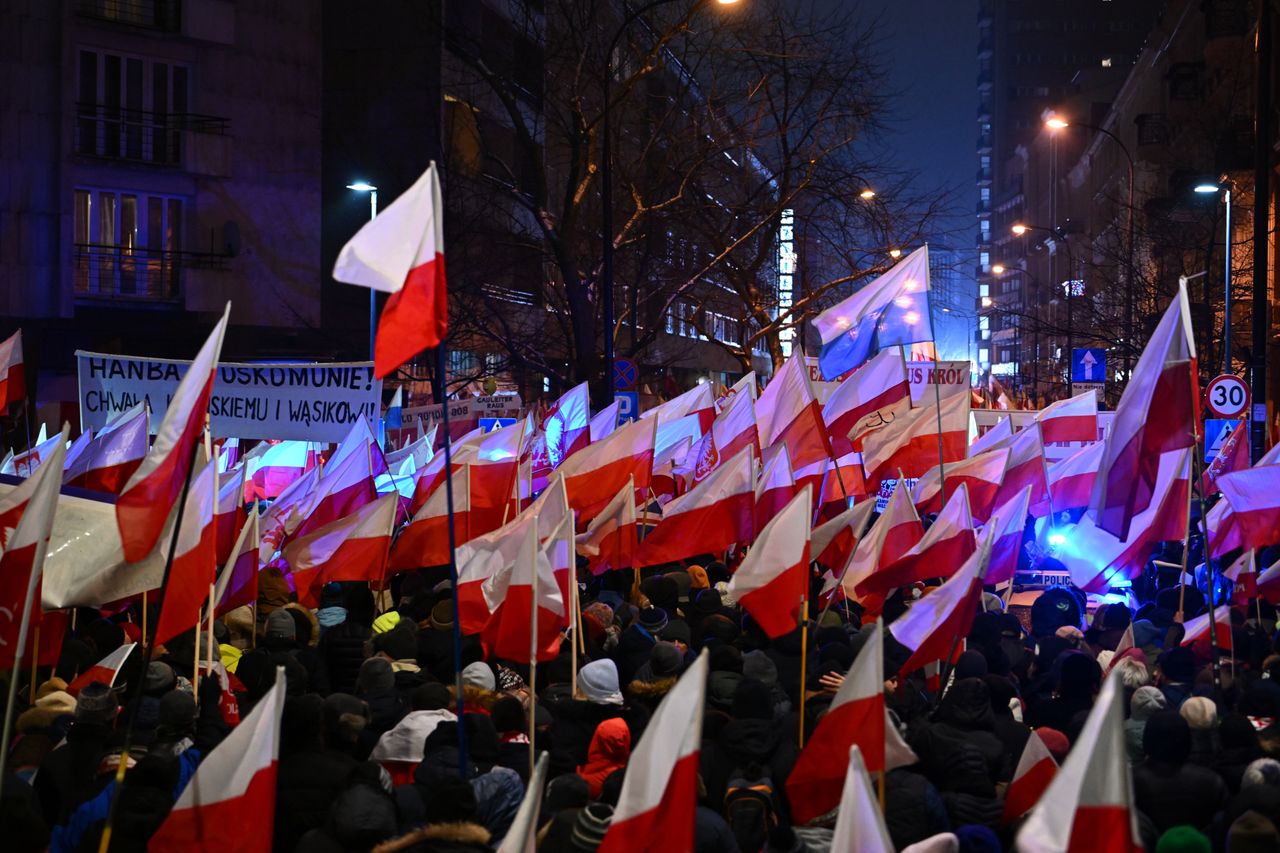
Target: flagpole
[(1186, 548), (35, 665), (1195, 465), (533, 658), (144, 619), (822, 488), (453, 561), (212, 605), (804, 653)]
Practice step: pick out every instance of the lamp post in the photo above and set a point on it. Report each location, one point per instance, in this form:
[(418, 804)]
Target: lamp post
[(1055, 122), (606, 191), (366, 187), (1225, 189)]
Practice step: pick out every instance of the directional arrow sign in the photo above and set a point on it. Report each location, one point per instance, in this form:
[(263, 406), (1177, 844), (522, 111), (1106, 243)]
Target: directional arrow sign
[(1089, 364)]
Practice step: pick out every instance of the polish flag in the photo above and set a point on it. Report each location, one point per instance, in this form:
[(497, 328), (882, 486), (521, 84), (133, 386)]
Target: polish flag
[(1071, 480), (345, 486), (113, 454), (859, 823), (874, 396), (143, 507), (774, 577), (1198, 630), (104, 671), (697, 401), (788, 413), (229, 515), (993, 439), (551, 508), (981, 475), (1255, 504), (708, 518), (1233, 455), (482, 558), (195, 561), (912, 446), (76, 451), (227, 451), (238, 583), (893, 534), (277, 467), (667, 462), (857, 718), (425, 541), (776, 487), (565, 430), (604, 422), (418, 452), (945, 546), (1026, 467), (1269, 584), (1157, 413), (286, 512), (592, 476), (831, 543), (659, 796), (26, 522), (931, 624), (1073, 419), (1089, 803), (1243, 574), (1036, 769), (610, 542), (842, 479), (525, 604), (733, 429), (359, 441), (13, 386), (1007, 525), (1095, 558), (401, 252), (493, 477), (522, 837), (25, 464), (431, 477), (230, 802), (353, 548)]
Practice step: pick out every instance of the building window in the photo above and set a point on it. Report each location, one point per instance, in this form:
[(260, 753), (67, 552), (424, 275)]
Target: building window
[(133, 108), (1106, 62), (126, 243)]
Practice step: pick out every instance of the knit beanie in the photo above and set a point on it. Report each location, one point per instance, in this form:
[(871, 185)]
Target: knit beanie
[(591, 826), (1200, 712), (375, 674), (598, 681), (480, 675), (280, 626), (1252, 832), (1183, 839), (1145, 702), (698, 578), (442, 616)]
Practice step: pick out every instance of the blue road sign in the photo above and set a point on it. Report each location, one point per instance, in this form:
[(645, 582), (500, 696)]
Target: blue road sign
[(1088, 364), (625, 374), (628, 406), (493, 424), (1216, 431)]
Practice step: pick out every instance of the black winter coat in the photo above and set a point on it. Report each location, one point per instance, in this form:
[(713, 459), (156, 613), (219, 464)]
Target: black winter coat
[(307, 783), (574, 723), (1173, 794), (753, 747), (342, 648)]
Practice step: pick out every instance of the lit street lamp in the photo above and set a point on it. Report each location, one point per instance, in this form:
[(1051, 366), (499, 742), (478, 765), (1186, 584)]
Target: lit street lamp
[(366, 187), (867, 194), (1225, 189)]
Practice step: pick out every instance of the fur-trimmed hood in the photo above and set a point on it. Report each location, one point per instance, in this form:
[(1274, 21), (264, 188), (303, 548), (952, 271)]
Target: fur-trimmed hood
[(457, 835), (476, 697), (311, 619), (649, 690)]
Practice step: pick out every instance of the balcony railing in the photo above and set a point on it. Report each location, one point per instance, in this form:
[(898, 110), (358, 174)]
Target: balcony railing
[(162, 15), (140, 136), (132, 273)]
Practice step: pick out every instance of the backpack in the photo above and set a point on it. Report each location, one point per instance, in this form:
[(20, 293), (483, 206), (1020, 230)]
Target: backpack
[(750, 809)]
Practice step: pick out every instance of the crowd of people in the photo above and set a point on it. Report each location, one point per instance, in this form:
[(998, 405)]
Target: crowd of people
[(373, 756)]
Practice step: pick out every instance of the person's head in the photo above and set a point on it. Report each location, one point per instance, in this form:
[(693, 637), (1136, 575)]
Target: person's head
[(1177, 666), (1131, 673), (598, 683), (97, 704), (1183, 839), (1146, 701), (1080, 675), (1263, 771), (752, 700), (177, 715), (375, 674), (590, 828), (1200, 712), (280, 627), (1167, 737), (345, 718), (508, 715), (1252, 832), (480, 676)]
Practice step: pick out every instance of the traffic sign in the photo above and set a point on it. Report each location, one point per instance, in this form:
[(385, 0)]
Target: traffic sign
[(625, 374), (1216, 433), (495, 424), (1088, 364), (1227, 396), (628, 406)]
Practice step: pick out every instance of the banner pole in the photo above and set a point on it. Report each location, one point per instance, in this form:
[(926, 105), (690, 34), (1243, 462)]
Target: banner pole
[(533, 662), (804, 656), (441, 361)]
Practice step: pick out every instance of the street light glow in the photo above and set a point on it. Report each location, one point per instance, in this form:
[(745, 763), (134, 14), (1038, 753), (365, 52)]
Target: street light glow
[(727, 2), (362, 187), (867, 194), (1206, 189), (1055, 123), (997, 269), (895, 253), (1019, 229), (986, 302)]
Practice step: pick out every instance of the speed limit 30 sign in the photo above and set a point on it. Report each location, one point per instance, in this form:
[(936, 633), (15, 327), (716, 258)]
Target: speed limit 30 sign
[(1227, 396)]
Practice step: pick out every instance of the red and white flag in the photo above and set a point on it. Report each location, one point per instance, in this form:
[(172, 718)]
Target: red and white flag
[(229, 515), (112, 455), (932, 623), (733, 429), (916, 444), (1089, 803), (788, 413), (279, 465), (710, 517), (286, 512), (857, 718), (610, 541), (359, 441), (1269, 584), (353, 548), (604, 422), (1071, 479), (1255, 504), (1233, 455), (494, 473), (401, 252), (13, 386), (873, 397), (832, 542), (564, 430), (859, 824), (1007, 525), (1198, 630), (522, 837), (238, 583), (944, 547), (195, 561), (104, 671), (525, 604), (144, 505), (482, 558), (697, 401), (1036, 769), (592, 476), (1026, 467), (981, 475), (659, 796), (25, 526), (1243, 574), (345, 486), (25, 464), (425, 541), (993, 439), (1073, 419), (76, 451), (1158, 413), (230, 802), (893, 534), (776, 486), (774, 577)]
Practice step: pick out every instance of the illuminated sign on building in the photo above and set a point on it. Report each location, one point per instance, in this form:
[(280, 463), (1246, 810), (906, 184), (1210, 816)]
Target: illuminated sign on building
[(786, 274)]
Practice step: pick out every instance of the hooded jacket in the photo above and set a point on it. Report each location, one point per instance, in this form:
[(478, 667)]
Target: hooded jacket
[(610, 748)]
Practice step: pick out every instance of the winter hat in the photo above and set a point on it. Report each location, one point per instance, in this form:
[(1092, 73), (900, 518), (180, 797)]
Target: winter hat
[(1167, 737), (682, 583), (177, 711), (591, 826), (726, 659), (653, 619), (345, 716), (718, 629), (1200, 712), (280, 626), (159, 679), (975, 838), (971, 664), (1145, 702), (442, 616), (1183, 839), (598, 681), (664, 660), (706, 601), (96, 703), (1146, 633), (479, 674), (698, 578), (1054, 741), (760, 666), (331, 595), (1252, 833), (375, 674), (676, 631), (943, 842), (567, 791), (722, 687)]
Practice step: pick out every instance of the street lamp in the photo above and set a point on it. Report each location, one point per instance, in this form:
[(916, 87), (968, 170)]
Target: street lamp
[(1060, 233), (366, 187), (1225, 189), (895, 253), (606, 192), (997, 269), (1019, 229), (867, 194)]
